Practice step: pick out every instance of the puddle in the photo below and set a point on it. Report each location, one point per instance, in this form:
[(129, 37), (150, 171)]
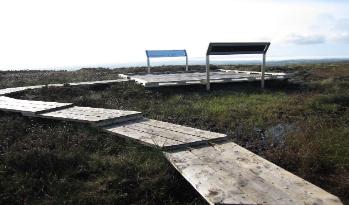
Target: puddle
[(275, 135)]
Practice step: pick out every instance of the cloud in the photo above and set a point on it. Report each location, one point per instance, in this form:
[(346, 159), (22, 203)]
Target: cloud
[(335, 30), (305, 39), (340, 37), (341, 31), (342, 24)]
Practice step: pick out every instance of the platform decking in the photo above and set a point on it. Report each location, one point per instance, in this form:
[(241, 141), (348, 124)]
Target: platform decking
[(99, 82), (164, 135), (226, 173), (190, 78), (94, 116), (285, 75), (29, 107)]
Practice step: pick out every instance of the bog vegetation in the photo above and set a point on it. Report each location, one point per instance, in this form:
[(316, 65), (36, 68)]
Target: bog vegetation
[(301, 125)]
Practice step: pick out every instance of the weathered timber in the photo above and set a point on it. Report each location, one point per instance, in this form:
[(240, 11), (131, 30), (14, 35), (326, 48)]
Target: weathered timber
[(94, 116), (29, 107), (164, 135), (190, 78), (99, 82), (19, 89), (226, 173)]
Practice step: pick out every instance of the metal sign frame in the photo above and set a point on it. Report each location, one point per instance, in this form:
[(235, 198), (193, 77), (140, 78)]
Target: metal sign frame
[(237, 48), (166, 54)]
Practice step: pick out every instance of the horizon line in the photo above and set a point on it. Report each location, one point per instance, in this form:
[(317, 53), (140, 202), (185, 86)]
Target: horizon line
[(197, 60)]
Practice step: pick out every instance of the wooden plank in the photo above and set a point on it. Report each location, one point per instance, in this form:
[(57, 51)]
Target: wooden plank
[(176, 79), (143, 137), (94, 116), (19, 89), (10, 90), (29, 108), (256, 187), (211, 184), (203, 134), (235, 168), (99, 82), (189, 76), (156, 132), (185, 138), (215, 185), (295, 187), (257, 72)]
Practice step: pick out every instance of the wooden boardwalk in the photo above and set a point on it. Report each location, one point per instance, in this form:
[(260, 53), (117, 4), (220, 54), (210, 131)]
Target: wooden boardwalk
[(191, 78), (100, 82), (226, 173), (19, 89), (94, 116), (29, 107), (220, 170), (275, 74), (164, 135)]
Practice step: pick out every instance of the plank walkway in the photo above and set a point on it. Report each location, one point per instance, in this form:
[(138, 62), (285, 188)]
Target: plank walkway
[(94, 116), (226, 173), (164, 135), (174, 79), (29, 107), (220, 170), (18, 89), (99, 82), (7, 91)]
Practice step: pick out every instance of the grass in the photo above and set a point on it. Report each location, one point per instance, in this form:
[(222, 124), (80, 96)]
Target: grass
[(51, 162), (26, 78), (314, 105)]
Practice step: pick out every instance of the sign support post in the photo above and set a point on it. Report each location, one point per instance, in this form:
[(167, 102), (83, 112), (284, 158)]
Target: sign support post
[(262, 71), (186, 61), (207, 72), (236, 48), (148, 62)]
